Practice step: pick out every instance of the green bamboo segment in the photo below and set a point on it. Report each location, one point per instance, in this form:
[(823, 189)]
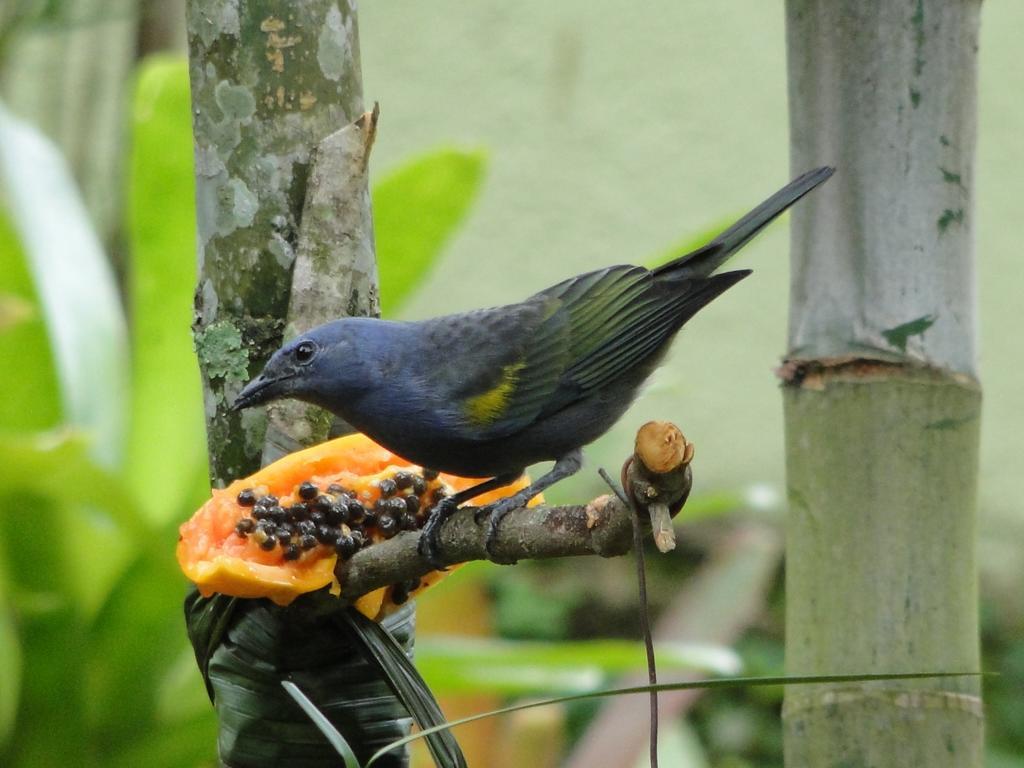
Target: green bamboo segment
[(882, 484)]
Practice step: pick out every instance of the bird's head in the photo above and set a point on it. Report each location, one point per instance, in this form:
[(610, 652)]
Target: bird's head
[(323, 366)]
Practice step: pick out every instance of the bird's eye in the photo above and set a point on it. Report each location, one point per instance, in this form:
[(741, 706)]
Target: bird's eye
[(305, 351)]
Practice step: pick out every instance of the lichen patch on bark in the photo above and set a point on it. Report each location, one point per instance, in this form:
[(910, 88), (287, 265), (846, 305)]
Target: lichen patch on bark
[(333, 51)]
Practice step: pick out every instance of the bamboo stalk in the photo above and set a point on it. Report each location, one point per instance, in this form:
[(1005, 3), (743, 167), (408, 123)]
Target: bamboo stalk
[(880, 392)]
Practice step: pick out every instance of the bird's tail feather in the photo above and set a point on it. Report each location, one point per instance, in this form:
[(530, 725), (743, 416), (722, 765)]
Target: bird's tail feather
[(708, 258), (707, 290)]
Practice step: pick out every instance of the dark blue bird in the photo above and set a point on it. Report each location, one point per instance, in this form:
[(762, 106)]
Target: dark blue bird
[(489, 392)]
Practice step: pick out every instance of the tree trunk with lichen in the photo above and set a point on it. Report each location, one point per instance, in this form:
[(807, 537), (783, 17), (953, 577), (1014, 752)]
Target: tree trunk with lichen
[(881, 398), (285, 242), (270, 80)]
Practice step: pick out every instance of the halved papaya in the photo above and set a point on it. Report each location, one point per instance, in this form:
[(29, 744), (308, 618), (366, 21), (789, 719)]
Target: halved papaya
[(279, 532)]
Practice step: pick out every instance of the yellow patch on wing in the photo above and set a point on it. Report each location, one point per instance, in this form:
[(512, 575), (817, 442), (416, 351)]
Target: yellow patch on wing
[(486, 407)]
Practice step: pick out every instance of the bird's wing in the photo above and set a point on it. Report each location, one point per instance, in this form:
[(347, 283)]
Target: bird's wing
[(515, 359), (646, 315), (513, 365), (494, 369)]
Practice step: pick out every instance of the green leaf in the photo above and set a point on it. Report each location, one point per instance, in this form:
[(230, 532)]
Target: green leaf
[(323, 723), (207, 620), (130, 645), (30, 400), (404, 679), (58, 466), (192, 743), (50, 723), (688, 685), (14, 311), (181, 694), (76, 286), (250, 648), (166, 445), (65, 509), (415, 211), (465, 665), (10, 672)]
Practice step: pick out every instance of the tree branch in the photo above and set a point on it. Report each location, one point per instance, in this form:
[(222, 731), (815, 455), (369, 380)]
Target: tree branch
[(602, 527)]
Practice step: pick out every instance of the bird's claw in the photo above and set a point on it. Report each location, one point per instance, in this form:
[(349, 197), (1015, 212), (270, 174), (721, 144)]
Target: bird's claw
[(481, 513), (495, 512), (429, 546)]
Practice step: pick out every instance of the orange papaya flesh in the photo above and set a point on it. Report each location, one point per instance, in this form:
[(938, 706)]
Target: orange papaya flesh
[(280, 532)]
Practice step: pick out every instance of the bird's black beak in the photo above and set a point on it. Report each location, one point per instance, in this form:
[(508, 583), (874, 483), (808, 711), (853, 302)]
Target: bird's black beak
[(259, 390)]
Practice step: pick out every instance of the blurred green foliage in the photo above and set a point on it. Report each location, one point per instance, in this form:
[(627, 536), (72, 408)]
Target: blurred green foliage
[(515, 668), (81, 305), (163, 432), (31, 399), (90, 586), (415, 211)]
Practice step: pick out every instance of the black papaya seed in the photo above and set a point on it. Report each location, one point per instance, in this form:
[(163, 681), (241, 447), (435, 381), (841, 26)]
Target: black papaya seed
[(387, 525), (247, 497), (337, 513), (345, 546)]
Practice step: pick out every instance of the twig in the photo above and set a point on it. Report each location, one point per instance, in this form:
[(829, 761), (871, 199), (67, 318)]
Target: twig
[(644, 610), (742, 563)]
